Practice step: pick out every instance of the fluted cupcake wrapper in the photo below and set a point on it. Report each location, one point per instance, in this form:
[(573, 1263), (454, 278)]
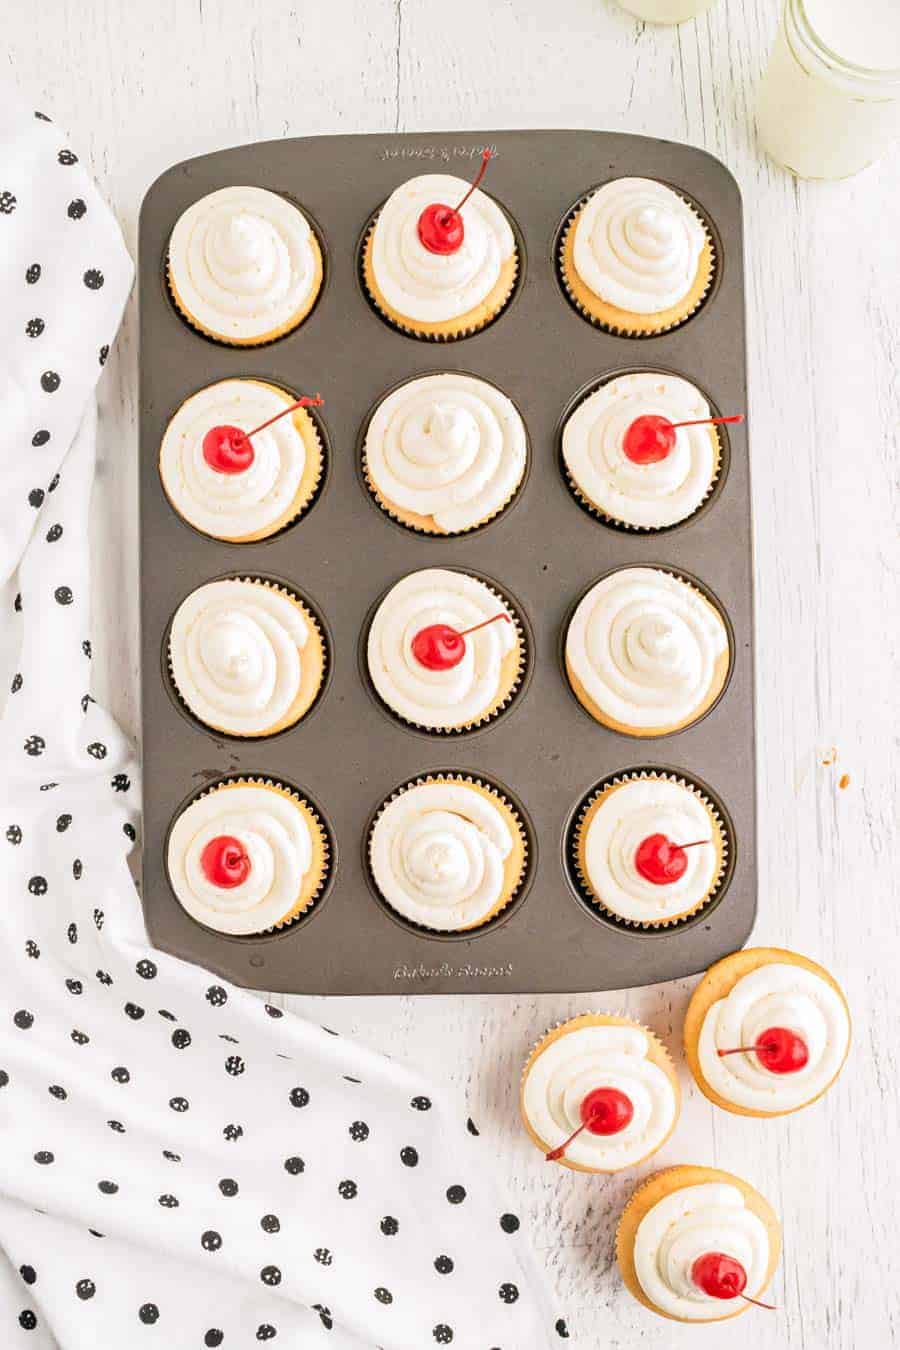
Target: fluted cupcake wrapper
[(490, 790), (607, 519), (456, 329), (305, 903), (285, 723), (583, 881), (647, 328)]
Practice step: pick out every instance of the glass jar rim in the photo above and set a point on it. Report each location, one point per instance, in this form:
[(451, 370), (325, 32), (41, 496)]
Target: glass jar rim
[(886, 75)]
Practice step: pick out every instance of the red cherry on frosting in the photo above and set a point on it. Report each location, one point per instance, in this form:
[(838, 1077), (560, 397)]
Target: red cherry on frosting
[(658, 860), (718, 1275), (225, 862), (650, 437), (779, 1049), (440, 647), (441, 228), (606, 1110), (227, 449)]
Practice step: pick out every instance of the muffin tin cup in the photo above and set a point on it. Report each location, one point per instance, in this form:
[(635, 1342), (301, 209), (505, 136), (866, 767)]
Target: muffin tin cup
[(347, 756)]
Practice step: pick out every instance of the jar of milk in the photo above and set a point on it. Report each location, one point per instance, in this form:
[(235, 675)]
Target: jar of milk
[(829, 103), (666, 11)]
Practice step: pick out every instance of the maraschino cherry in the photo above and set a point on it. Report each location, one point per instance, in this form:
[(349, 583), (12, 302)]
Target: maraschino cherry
[(651, 437), (779, 1050), (228, 449), (721, 1276), (440, 647), (225, 862), (660, 861), (606, 1110), (441, 228)]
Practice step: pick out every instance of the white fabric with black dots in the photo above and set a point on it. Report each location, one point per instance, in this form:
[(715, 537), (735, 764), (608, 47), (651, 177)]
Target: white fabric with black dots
[(182, 1166)]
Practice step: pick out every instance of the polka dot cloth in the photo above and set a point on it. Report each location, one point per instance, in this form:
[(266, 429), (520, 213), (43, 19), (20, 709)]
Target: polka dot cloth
[(182, 1165)]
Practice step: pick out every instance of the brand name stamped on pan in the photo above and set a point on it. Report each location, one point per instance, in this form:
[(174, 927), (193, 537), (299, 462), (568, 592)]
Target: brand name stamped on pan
[(443, 154), (446, 971)]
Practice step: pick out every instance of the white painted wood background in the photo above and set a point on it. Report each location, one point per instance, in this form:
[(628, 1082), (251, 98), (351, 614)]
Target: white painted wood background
[(142, 85)]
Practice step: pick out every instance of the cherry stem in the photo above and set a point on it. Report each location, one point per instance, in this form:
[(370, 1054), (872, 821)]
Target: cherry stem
[(486, 157), (556, 1153), (304, 402), (484, 623), (747, 1049), (694, 843), (757, 1303), (708, 421)]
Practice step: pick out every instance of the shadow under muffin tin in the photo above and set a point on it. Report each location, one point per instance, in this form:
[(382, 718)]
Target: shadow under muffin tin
[(544, 752)]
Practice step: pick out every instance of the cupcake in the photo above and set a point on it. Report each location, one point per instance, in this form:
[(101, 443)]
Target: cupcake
[(447, 852), (444, 651), (649, 848), (246, 657), (608, 469), (767, 1032), (636, 257), (445, 453), (247, 856), (435, 267), (271, 485), (244, 265), (646, 653), (599, 1093), (697, 1245)]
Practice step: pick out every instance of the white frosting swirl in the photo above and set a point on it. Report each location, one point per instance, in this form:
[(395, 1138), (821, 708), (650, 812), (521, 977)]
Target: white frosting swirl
[(439, 698), (233, 505), (645, 646), (244, 262), (686, 1224), (579, 1062), (437, 852), (236, 649), (774, 995), (637, 245), (625, 817), (434, 287), (646, 495), (276, 837), (447, 446)]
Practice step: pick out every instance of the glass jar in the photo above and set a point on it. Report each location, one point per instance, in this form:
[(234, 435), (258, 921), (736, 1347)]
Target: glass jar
[(820, 113), (665, 11)]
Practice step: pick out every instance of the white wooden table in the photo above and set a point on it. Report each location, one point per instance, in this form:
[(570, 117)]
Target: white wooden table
[(142, 85)]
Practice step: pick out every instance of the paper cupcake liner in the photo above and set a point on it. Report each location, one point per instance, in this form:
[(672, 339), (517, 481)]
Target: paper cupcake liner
[(299, 911), (447, 733), (408, 327), (314, 623), (468, 780), (624, 330), (584, 886)]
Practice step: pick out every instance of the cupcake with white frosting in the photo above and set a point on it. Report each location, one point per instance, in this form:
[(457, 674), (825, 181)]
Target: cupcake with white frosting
[(244, 265), (696, 1244), (649, 848), (445, 652), (599, 1093), (636, 257), (246, 657), (447, 852), (612, 478), (646, 652), (252, 497), (439, 288), (247, 856), (767, 1032), (445, 453)]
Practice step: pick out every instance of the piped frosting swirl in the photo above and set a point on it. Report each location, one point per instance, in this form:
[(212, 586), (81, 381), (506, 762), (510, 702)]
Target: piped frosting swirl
[(244, 263), (438, 853), (579, 1061), (686, 1224), (449, 447), (778, 994), (432, 287), (637, 245), (647, 496), (646, 648)]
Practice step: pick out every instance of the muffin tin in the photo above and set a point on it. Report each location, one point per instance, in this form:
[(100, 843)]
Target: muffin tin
[(545, 752)]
